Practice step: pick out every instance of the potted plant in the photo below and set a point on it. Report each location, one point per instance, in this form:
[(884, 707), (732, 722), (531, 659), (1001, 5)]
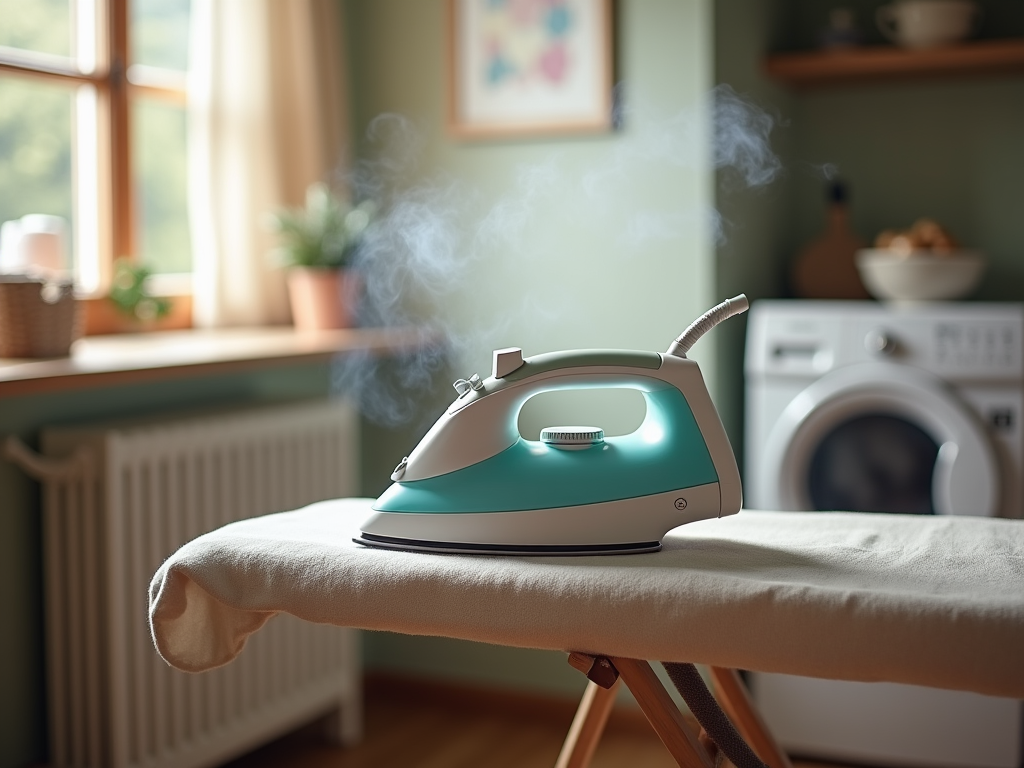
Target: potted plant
[(130, 295), (317, 243)]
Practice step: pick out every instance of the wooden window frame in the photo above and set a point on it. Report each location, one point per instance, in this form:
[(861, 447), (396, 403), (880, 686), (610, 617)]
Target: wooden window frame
[(117, 83)]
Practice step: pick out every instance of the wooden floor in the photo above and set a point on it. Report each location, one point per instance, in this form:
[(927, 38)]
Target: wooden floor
[(418, 727)]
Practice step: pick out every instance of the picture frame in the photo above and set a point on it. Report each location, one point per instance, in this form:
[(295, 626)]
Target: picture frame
[(529, 67)]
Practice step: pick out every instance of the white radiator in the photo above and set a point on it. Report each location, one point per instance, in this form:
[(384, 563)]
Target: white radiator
[(120, 498)]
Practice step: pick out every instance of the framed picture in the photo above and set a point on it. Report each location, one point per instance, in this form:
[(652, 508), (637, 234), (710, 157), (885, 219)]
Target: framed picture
[(529, 67)]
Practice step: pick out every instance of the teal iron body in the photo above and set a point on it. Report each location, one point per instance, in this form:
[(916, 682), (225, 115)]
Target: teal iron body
[(475, 485)]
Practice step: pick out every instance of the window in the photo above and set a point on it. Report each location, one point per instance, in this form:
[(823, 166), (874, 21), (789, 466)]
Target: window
[(92, 128)]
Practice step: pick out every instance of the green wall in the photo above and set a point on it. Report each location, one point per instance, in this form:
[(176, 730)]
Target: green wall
[(753, 251), (952, 151), (950, 148), (563, 271), (565, 274)]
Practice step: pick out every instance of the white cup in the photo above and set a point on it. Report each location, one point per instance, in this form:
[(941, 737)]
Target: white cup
[(928, 23), (33, 244)]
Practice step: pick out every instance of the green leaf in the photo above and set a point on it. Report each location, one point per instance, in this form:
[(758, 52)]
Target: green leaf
[(129, 295), (324, 233)]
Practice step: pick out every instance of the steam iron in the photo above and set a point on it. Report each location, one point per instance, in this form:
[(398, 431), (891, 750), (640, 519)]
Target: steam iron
[(474, 485)]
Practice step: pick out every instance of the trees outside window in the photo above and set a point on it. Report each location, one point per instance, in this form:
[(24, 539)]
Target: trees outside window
[(92, 129)]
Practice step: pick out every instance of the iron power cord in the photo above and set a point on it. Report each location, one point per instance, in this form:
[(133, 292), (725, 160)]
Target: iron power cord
[(709, 714), (706, 322)]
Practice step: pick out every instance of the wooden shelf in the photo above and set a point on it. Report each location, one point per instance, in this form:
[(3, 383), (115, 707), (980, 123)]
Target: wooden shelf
[(820, 68), (97, 361)]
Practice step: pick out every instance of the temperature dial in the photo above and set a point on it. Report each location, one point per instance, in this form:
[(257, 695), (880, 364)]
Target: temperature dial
[(572, 437)]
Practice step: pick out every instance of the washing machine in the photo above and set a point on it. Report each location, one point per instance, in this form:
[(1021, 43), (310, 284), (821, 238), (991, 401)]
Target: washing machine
[(879, 408)]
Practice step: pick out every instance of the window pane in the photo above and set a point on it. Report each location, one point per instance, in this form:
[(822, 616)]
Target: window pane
[(36, 25), (35, 151), (159, 31), (161, 185)]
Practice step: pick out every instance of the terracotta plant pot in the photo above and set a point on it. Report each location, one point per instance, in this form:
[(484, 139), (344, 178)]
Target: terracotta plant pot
[(322, 298)]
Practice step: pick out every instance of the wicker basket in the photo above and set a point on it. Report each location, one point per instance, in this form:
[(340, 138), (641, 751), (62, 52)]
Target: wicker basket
[(37, 318)]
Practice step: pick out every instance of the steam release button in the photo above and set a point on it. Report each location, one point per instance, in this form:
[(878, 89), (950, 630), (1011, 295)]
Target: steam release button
[(400, 469), (506, 361)]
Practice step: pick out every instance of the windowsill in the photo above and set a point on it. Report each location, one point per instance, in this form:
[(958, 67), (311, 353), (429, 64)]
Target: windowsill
[(98, 361), (101, 317)]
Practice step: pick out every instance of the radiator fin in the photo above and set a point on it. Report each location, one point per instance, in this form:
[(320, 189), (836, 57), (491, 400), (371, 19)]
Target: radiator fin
[(147, 489)]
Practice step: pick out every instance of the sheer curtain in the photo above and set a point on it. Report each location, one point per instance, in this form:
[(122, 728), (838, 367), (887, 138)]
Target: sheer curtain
[(267, 117)]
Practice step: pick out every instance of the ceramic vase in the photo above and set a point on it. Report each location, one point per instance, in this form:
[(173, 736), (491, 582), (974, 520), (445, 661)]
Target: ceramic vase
[(323, 298)]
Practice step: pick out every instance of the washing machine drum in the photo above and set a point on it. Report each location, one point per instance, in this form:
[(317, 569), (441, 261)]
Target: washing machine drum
[(880, 438)]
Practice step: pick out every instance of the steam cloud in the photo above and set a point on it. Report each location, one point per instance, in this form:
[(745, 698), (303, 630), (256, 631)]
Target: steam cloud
[(434, 231), (742, 139)]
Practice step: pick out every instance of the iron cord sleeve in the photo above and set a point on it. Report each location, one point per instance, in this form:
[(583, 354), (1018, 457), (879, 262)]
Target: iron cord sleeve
[(706, 322), (709, 714)]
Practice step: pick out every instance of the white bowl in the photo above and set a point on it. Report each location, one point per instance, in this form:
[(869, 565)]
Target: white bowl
[(919, 275)]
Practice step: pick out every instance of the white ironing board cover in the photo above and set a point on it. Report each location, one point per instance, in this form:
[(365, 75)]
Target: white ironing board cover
[(934, 601)]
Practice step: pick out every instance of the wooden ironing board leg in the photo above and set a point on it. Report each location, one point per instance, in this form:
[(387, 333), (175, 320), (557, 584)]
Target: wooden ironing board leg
[(663, 714), (587, 726), (689, 746), (733, 697)]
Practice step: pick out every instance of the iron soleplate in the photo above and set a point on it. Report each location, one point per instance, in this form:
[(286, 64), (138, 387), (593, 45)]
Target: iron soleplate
[(529, 550)]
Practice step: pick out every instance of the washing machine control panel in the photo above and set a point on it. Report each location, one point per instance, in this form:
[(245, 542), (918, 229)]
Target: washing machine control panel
[(983, 348), (958, 342)]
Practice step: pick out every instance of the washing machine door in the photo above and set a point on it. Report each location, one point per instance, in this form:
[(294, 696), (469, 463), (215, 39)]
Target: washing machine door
[(880, 438)]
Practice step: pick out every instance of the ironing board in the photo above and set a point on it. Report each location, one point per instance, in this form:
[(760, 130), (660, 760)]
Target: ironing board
[(933, 601)]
